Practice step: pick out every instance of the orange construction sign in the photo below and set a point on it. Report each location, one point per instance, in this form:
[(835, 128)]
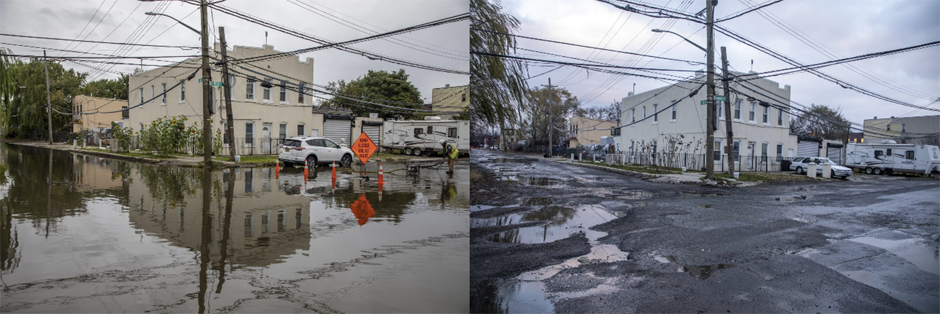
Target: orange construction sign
[(362, 209), (364, 147)]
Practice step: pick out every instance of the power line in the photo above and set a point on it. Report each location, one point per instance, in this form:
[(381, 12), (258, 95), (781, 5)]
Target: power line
[(89, 22), (99, 42)]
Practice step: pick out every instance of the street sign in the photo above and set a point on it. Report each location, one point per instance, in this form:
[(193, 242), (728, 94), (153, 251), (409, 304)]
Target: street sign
[(704, 102), (364, 147), (720, 98), (217, 84)]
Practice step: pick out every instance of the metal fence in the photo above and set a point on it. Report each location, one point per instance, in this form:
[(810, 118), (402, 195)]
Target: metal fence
[(752, 163), (250, 146)]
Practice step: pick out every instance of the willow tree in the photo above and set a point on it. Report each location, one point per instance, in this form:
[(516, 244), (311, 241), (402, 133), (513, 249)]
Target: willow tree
[(498, 86)]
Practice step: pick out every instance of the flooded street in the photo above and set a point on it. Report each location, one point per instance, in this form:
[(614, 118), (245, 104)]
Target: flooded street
[(89, 234), (549, 236)]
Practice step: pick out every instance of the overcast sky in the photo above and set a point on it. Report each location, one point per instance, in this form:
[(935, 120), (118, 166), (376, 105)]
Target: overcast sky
[(68, 18), (845, 28)]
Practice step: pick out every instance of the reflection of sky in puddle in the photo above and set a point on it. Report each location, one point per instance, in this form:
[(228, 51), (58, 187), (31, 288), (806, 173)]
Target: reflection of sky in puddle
[(525, 297), (913, 250), (561, 222)]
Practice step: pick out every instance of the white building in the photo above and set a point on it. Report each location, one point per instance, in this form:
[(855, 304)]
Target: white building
[(760, 125), (262, 115)]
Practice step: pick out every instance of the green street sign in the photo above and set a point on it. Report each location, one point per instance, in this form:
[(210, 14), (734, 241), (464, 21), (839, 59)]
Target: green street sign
[(704, 102), (720, 98), (217, 84)]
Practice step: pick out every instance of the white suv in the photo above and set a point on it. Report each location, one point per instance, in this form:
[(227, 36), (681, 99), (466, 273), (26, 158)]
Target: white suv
[(314, 151)]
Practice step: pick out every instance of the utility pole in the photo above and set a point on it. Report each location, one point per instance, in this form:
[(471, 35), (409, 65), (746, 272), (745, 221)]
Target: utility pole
[(48, 101), (206, 77), (229, 130), (725, 78), (710, 92), (549, 117)]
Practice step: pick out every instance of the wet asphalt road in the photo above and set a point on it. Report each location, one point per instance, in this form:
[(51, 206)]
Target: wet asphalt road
[(547, 236), (84, 234)]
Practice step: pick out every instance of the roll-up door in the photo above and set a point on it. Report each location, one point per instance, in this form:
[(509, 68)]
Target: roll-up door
[(808, 149), (337, 130), (373, 132), (834, 154)]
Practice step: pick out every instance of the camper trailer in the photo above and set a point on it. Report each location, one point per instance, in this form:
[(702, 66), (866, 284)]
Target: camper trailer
[(889, 157), (417, 137)]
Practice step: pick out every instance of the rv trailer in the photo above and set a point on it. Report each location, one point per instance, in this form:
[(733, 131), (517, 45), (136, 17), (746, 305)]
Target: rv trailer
[(889, 157), (417, 137)]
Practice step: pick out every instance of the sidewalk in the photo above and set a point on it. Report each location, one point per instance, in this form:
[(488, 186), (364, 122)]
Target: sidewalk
[(680, 178)]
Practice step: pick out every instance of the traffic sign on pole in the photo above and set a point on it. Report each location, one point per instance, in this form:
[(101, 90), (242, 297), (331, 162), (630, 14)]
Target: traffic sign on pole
[(364, 147)]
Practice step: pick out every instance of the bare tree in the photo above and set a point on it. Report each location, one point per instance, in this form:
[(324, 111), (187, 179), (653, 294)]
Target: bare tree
[(821, 121)]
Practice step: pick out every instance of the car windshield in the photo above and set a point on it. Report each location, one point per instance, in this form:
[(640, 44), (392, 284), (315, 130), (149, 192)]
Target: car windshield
[(824, 161), (292, 143), (330, 144)]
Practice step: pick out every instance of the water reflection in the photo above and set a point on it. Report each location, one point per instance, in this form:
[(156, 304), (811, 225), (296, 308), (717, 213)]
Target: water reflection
[(134, 237)]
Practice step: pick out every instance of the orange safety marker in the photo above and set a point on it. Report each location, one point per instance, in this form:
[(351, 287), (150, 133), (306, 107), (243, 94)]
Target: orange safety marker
[(277, 169), (381, 180), (334, 171), (306, 173), (380, 190)]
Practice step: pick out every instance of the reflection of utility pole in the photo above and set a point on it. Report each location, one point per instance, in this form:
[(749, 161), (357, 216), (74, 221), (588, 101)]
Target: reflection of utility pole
[(229, 195), (49, 198), (724, 70), (48, 104), (226, 82), (549, 116), (206, 234)]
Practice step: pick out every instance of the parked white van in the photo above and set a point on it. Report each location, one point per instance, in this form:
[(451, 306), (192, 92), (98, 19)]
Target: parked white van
[(889, 157)]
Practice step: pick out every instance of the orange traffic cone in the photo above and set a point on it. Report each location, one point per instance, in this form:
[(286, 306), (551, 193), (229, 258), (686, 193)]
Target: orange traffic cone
[(306, 173), (381, 180), (380, 189), (277, 169), (334, 171)]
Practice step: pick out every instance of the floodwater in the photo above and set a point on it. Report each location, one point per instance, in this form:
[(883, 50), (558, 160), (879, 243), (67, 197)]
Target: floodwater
[(87, 234)]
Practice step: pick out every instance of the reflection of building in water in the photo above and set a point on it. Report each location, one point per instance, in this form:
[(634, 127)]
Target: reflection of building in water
[(263, 227), (96, 173)]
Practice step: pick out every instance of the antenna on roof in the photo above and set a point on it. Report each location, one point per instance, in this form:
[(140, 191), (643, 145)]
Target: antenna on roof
[(752, 65), (266, 41)]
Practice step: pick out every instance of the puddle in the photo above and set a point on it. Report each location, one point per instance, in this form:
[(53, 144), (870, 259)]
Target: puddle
[(916, 251), (699, 271), (537, 201), (706, 194), (527, 180), (560, 223), (496, 221), (790, 198), (476, 208), (632, 195)]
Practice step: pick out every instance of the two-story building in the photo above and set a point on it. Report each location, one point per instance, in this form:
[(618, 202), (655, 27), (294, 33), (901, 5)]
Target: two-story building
[(95, 113), (760, 125), (266, 102), (901, 129), (584, 131), (447, 99)]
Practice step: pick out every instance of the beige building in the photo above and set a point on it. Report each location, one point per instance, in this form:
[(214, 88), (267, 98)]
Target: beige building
[(93, 106), (901, 129), (450, 99), (760, 125), (262, 115), (583, 131)]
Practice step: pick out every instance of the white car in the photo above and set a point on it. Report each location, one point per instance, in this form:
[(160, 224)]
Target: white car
[(314, 151), (800, 165)]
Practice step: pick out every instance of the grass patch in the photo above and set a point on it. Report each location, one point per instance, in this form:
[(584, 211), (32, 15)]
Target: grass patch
[(130, 154), (636, 168), (761, 176), (263, 160)]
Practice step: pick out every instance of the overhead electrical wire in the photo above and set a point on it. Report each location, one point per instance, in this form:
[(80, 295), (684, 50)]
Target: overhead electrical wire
[(99, 42)]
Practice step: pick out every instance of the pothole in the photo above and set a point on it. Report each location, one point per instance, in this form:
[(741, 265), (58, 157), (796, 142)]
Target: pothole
[(537, 201), (706, 194), (698, 271), (559, 223), (632, 194)]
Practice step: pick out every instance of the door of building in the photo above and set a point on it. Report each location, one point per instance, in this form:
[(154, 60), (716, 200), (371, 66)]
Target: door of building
[(266, 138), (337, 130), (807, 149)]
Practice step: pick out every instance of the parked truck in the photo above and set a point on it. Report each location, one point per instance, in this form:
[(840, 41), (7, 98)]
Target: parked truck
[(417, 137), (890, 157)]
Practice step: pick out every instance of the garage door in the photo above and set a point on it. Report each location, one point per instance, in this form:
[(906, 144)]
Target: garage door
[(807, 149), (337, 130), (373, 132), (835, 154)]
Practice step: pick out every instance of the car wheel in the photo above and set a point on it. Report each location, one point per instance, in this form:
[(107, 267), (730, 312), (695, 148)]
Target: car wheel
[(877, 171), (799, 170), (406, 151), (311, 161), (346, 161), (416, 152), (868, 170), (832, 174)]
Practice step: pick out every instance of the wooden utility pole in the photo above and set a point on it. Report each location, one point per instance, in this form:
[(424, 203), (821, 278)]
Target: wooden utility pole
[(549, 116), (48, 100), (710, 92), (229, 129), (206, 90), (725, 78)]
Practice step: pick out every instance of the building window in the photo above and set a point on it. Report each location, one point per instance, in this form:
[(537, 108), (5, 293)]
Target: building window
[(300, 129), (737, 110), (248, 179), (250, 89), (780, 117), (282, 132), (633, 115), (655, 115), (766, 115), (267, 91), (419, 131), (909, 155), (753, 112), (163, 98), (300, 94), (903, 128), (889, 127), (151, 91), (249, 133), (644, 112), (673, 112), (763, 152), (141, 92), (879, 153), (182, 91), (779, 151), (283, 91), (717, 151), (737, 150), (463, 97)]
